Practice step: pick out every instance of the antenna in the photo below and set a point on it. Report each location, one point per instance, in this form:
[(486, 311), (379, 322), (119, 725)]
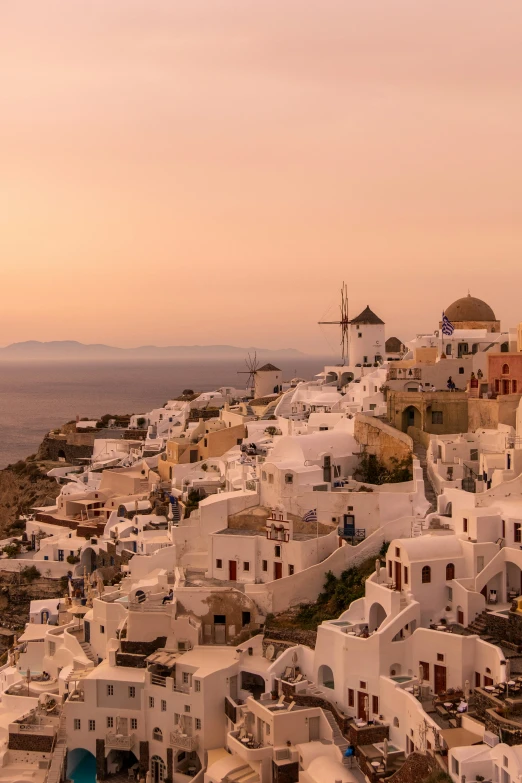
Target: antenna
[(252, 365), (343, 322)]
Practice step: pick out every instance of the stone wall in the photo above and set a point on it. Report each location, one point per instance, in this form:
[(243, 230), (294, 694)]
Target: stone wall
[(387, 443), (488, 414), (367, 735), (416, 768), (34, 742), (294, 635), (507, 628), (285, 773), (66, 447)]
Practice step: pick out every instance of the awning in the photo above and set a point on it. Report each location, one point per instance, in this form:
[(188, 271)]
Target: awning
[(458, 738)]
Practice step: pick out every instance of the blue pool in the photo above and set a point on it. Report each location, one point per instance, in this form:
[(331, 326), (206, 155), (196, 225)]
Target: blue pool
[(82, 767)]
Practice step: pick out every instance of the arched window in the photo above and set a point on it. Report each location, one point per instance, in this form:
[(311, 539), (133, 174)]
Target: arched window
[(157, 734), (505, 369), (450, 572), (426, 575)]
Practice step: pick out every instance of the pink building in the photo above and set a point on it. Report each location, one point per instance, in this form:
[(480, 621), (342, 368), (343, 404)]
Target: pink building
[(505, 373)]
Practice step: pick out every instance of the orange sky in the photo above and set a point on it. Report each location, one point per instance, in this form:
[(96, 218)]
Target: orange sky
[(201, 171)]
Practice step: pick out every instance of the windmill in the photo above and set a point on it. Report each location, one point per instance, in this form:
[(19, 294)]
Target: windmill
[(343, 322), (252, 366)]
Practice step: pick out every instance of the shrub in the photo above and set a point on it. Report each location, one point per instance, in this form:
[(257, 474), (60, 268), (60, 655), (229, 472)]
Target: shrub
[(30, 573)]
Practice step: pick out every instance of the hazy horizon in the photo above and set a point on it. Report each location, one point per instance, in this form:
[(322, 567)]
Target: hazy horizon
[(211, 170)]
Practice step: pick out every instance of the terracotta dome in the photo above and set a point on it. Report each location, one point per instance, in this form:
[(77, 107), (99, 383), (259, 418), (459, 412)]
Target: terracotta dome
[(469, 308)]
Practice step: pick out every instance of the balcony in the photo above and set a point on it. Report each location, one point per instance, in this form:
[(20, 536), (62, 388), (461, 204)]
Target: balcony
[(247, 748), (183, 741), (119, 741)]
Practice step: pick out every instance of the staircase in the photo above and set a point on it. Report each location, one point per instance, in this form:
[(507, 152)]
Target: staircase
[(87, 649), (54, 774), (479, 625), (338, 739), (431, 497), (244, 774)]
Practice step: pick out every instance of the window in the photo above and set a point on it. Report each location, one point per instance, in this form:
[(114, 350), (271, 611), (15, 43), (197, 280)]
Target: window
[(132, 692), (450, 572), (157, 734), (290, 570), (102, 629), (440, 656), (263, 476), (513, 387), (461, 370), (187, 708), (359, 334), (151, 702), (134, 724), (505, 369), (60, 555), (497, 385), (186, 678), (198, 724), (448, 349), (163, 705), (219, 563), (426, 575), (351, 697), (92, 725), (436, 417), (397, 552), (110, 723), (405, 575), (77, 724), (277, 551), (245, 618), (362, 685), (389, 568), (517, 530), (375, 705), (246, 566), (289, 479), (265, 565), (455, 766), (110, 690), (465, 525), (270, 478)]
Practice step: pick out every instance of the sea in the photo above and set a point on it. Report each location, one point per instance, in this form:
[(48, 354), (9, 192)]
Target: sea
[(38, 396)]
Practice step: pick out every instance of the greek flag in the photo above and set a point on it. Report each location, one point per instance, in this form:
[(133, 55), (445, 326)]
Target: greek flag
[(310, 516), (447, 326)]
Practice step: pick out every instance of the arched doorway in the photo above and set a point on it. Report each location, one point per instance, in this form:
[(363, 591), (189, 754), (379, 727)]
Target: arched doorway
[(376, 616), (411, 417), (253, 683), (346, 377), (157, 769), (81, 766), (325, 676), (331, 377)]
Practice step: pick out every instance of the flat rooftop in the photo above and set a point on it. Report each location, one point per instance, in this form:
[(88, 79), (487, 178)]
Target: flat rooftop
[(231, 531)]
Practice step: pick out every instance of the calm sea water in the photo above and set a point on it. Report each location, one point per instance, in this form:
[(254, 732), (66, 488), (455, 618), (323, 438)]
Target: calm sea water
[(35, 397)]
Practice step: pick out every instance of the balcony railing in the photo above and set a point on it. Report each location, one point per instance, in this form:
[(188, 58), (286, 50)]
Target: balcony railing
[(183, 741), (119, 741)]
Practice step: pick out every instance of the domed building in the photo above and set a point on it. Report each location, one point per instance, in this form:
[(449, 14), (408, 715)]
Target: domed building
[(471, 313)]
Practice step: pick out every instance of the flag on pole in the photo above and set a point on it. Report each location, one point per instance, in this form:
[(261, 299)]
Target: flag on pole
[(310, 516), (447, 326)]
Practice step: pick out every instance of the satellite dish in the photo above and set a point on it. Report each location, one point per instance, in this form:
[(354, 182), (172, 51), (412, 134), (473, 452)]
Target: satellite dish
[(269, 653)]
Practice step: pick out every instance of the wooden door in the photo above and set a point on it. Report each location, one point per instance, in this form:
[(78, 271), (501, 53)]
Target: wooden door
[(361, 711), (313, 729), (425, 670), (460, 617), (440, 679), (477, 679), (398, 572), (232, 570), (487, 681), (278, 570)]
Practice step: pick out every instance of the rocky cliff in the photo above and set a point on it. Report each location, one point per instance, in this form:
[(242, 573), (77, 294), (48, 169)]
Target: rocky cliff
[(22, 486)]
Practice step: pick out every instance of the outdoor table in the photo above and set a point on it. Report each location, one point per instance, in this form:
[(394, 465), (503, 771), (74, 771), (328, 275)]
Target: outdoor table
[(375, 764), (511, 682), (489, 688), (448, 704)]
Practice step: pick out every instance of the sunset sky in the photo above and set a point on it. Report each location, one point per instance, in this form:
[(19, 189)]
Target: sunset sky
[(203, 171)]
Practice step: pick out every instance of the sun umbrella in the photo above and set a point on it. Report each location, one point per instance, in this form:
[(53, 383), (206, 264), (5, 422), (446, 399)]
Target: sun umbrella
[(385, 751)]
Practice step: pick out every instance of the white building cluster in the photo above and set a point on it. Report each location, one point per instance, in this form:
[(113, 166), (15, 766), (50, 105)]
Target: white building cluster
[(179, 540)]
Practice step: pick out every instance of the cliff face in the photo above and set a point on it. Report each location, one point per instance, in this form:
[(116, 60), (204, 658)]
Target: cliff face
[(22, 486)]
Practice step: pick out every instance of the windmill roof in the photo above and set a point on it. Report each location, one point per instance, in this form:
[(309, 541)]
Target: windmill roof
[(366, 317), (268, 368)]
